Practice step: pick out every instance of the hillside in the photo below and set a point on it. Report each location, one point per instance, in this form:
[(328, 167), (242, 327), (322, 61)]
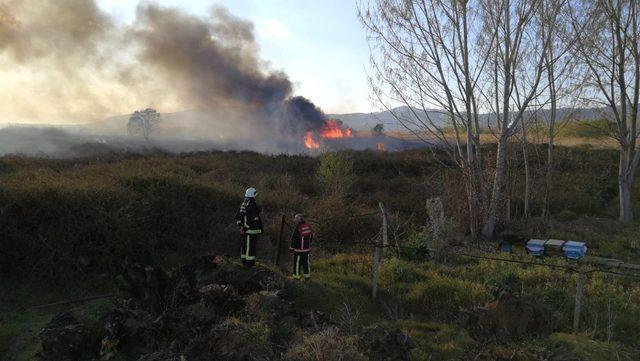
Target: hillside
[(70, 227)]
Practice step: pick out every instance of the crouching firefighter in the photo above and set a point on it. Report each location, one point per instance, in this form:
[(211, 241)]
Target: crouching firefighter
[(248, 219), (301, 247)]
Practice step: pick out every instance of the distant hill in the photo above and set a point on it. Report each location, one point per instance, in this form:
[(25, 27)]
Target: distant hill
[(366, 121), (225, 121)]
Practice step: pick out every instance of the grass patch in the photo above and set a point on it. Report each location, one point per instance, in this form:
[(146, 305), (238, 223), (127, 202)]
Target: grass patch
[(19, 329)]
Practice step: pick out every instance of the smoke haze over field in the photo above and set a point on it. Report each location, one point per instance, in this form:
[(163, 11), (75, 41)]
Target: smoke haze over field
[(67, 57)]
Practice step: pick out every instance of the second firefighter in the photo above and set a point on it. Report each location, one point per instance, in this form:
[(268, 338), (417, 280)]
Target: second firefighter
[(301, 247)]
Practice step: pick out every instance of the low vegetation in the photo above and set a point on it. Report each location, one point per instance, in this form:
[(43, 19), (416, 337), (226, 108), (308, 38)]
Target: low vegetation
[(70, 225)]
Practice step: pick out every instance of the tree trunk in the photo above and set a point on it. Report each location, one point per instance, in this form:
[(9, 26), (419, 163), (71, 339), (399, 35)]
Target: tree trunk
[(552, 130), (527, 173), (625, 181), (548, 178), (473, 211), (496, 194)]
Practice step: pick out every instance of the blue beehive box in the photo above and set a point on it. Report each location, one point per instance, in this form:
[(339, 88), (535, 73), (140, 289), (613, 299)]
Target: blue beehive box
[(574, 250), (535, 247)]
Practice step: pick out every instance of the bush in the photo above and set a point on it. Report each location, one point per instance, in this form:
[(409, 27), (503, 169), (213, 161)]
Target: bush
[(336, 173), (430, 293), (566, 215), (326, 345)]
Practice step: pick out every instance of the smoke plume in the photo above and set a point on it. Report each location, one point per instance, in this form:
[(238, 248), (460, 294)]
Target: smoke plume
[(68, 57)]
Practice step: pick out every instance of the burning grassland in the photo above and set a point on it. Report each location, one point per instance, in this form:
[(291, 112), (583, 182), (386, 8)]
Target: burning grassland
[(166, 58)]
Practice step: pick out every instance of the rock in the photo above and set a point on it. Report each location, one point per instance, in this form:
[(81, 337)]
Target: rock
[(216, 294), (65, 338), (385, 344), (509, 317), (313, 321), (250, 280), (205, 263), (182, 290), (152, 289), (233, 314), (223, 299), (126, 330), (238, 340), (144, 287), (165, 355), (266, 306)]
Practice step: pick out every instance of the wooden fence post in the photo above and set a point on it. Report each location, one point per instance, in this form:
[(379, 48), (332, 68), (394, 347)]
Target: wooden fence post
[(378, 253), (578, 301), (377, 256), (385, 228), (279, 243)]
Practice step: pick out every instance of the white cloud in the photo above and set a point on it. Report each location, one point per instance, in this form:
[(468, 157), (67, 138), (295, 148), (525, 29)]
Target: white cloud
[(271, 29)]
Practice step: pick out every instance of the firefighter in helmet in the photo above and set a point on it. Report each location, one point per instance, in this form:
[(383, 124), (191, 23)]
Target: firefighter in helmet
[(300, 247), (248, 219)]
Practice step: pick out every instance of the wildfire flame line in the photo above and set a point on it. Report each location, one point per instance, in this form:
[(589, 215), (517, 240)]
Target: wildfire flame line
[(309, 142), (331, 129)]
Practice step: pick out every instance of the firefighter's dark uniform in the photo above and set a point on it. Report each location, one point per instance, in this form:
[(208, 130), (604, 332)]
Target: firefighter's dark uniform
[(248, 218), (301, 247)]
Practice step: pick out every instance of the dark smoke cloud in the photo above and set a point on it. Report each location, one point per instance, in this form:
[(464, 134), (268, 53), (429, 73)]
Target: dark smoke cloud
[(215, 62), (71, 57)]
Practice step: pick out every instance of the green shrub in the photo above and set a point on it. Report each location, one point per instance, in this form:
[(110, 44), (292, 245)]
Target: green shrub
[(326, 345), (566, 215), (336, 173), (429, 293), (438, 341)]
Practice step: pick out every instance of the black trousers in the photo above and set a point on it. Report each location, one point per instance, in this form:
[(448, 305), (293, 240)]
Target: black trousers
[(301, 265), (248, 249)]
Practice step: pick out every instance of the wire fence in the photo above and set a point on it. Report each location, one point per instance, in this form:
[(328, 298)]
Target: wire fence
[(375, 241)]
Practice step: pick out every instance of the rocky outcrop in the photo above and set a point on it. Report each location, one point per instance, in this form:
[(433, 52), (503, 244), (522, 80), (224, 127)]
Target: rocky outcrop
[(66, 339), (509, 316), (218, 312)]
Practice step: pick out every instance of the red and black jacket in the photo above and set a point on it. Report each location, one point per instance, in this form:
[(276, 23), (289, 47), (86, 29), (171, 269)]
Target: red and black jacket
[(301, 238)]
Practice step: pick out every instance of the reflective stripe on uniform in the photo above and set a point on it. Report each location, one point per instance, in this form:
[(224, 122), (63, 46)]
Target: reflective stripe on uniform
[(246, 256), (298, 265), (253, 231), (250, 258)]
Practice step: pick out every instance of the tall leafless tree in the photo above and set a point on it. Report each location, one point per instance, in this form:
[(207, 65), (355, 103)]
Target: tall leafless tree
[(430, 54), (425, 57), (565, 83), (607, 43), (519, 53), (143, 123)]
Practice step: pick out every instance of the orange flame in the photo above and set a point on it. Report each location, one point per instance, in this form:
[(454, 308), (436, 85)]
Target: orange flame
[(331, 129), (309, 142), (380, 147)]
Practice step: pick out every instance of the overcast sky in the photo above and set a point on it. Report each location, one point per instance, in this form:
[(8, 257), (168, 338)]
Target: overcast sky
[(319, 43)]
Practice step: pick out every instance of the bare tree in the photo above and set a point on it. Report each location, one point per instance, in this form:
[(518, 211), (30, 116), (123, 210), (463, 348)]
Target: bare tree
[(143, 122), (425, 57), (460, 57), (520, 50), (564, 83), (607, 42)]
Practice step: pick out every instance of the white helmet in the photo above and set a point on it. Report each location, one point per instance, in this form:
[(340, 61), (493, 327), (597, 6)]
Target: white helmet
[(251, 193)]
